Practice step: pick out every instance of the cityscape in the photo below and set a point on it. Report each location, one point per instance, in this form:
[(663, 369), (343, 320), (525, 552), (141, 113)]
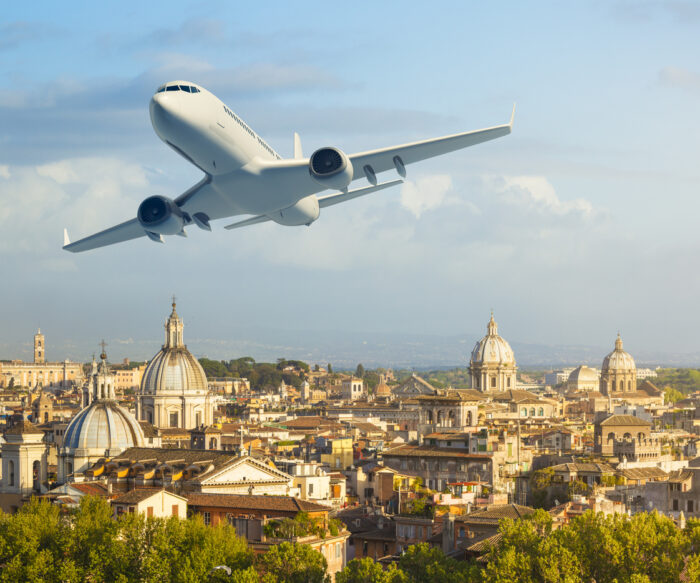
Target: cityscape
[(363, 465)]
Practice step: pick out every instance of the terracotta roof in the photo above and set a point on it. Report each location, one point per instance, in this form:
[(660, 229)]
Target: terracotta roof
[(642, 473), (680, 475), (136, 496), (431, 451), (254, 502), (624, 420), (91, 488), (493, 513), (484, 545), (584, 467)]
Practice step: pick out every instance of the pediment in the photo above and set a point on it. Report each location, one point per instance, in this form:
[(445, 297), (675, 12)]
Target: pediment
[(246, 470)]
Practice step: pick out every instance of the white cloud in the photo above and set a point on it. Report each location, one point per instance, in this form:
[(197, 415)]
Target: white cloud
[(426, 193), (84, 193), (538, 194)]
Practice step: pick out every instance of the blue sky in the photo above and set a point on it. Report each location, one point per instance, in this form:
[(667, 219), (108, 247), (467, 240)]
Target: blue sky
[(579, 224)]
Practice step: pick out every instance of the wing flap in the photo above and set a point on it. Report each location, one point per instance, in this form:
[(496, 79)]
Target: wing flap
[(250, 221), (123, 232)]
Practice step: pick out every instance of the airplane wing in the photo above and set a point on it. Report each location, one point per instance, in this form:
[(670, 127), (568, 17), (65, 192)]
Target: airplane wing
[(123, 232), (384, 158), (293, 174), (127, 230)]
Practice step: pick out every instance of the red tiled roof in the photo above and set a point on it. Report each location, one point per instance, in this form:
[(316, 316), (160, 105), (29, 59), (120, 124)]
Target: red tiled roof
[(253, 502)]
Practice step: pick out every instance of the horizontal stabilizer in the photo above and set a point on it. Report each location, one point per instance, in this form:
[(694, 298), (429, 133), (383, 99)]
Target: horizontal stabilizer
[(332, 199), (250, 221), (123, 232)]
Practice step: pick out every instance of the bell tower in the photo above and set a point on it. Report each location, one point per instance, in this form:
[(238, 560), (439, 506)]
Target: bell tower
[(39, 348)]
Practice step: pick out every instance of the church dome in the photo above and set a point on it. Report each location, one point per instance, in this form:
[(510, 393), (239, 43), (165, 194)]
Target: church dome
[(583, 374), (618, 359), (492, 349), (105, 426), (383, 390), (174, 369)]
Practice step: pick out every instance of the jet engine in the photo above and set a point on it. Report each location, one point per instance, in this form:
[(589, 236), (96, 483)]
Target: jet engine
[(160, 215), (331, 168), (303, 212)]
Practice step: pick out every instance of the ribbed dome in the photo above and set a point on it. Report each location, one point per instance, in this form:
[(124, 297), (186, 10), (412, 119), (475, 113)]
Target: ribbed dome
[(383, 390), (583, 374), (492, 349), (104, 425), (174, 369), (618, 359)]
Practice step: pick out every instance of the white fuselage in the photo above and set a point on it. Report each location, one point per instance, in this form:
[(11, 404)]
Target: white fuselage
[(202, 129)]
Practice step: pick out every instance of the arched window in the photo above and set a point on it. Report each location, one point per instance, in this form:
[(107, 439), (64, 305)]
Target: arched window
[(212, 443), (523, 412), (541, 412), (469, 418), (11, 468), (627, 436), (532, 411), (611, 436), (613, 385)]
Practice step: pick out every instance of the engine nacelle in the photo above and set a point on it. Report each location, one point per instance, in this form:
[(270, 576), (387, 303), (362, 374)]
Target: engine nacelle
[(160, 215), (304, 212), (331, 168)]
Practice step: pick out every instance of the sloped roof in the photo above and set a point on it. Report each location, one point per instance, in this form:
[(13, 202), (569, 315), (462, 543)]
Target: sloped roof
[(493, 513), (625, 420), (255, 502), (584, 467), (432, 451), (413, 386), (652, 473)]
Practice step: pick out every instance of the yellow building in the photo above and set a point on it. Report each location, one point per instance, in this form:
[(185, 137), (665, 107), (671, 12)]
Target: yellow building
[(129, 378), (40, 373)]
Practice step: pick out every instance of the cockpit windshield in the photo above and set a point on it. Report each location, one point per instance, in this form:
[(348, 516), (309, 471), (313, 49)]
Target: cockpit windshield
[(185, 88)]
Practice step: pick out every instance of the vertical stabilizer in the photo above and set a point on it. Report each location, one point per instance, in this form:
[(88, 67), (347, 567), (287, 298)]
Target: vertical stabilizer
[(298, 154)]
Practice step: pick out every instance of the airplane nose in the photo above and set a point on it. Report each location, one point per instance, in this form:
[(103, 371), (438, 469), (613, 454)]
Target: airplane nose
[(164, 110)]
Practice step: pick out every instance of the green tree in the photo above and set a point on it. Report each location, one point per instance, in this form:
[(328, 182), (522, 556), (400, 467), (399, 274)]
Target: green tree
[(368, 571), (329, 368), (423, 564), (672, 395), (293, 563), (360, 371)]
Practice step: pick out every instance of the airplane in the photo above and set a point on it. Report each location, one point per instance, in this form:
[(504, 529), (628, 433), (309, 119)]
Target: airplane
[(243, 175)]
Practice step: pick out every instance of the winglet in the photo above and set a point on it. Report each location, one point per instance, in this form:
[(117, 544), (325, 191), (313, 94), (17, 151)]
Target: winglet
[(66, 240), (298, 154), (512, 116)]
